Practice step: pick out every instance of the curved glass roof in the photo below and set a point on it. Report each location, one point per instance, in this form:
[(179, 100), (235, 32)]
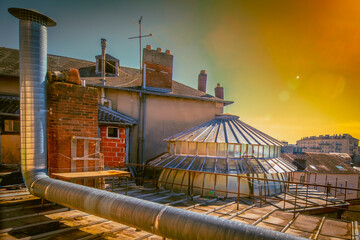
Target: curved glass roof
[(225, 129), (245, 165)]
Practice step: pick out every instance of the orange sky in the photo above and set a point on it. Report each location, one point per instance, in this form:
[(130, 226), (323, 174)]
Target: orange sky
[(258, 50), (254, 48)]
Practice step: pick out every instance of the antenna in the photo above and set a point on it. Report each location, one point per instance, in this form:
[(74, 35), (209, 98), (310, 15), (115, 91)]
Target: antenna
[(139, 37)]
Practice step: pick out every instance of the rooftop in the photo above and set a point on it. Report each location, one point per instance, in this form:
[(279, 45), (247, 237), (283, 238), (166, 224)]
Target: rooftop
[(10, 106), (129, 79), (25, 216), (321, 162)]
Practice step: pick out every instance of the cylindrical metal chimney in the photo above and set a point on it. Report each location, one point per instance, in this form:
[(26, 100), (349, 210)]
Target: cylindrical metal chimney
[(33, 65), (103, 60), (202, 81)]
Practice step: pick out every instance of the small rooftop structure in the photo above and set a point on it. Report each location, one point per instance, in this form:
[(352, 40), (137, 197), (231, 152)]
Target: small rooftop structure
[(224, 145)]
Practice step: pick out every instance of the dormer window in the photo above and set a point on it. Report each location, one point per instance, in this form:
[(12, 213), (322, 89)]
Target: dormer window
[(111, 66)]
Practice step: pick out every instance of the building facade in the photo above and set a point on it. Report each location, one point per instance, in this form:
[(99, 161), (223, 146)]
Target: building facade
[(344, 143), (159, 108)]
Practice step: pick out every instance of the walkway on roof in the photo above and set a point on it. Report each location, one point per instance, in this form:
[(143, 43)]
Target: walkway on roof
[(23, 216)]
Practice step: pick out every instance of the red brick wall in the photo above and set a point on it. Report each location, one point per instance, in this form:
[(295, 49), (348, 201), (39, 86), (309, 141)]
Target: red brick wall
[(159, 68), (113, 149), (72, 111)]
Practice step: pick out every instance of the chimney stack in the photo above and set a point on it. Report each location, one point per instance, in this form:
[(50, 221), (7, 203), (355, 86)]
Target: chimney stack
[(219, 91), (202, 81), (103, 60), (159, 68)]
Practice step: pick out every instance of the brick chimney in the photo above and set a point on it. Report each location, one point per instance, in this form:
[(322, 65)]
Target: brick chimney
[(219, 91), (159, 68), (202, 81)]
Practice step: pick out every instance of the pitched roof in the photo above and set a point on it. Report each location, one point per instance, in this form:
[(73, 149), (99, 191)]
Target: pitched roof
[(225, 128), (321, 162), (129, 79), (9, 63), (107, 115), (9, 104)]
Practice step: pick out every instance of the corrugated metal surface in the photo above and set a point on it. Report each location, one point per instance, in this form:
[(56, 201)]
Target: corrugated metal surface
[(225, 129), (9, 104), (224, 165), (107, 115)]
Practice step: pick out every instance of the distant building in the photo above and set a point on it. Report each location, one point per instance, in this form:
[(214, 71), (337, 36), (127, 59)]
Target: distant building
[(326, 169), (344, 143), (290, 148)]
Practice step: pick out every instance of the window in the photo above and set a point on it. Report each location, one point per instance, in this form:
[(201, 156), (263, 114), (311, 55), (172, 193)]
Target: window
[(237, 150), (184, 148), (302, 179), (221, 149), (112, 132), (201, 149), (12, 126), (211, 149), (192, 148)]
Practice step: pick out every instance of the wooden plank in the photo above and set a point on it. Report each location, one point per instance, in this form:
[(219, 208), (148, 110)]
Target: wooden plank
[(240, 212), (107, 232), (289, 224), (73, 154), (27, 207), (46, 234), (92, 174), (85, 158), (356, 231), (151, 194), (181, 200), (34, 214), (86, 138), (39, 223), (86, 161), (218, 208), (319, 228), (143, 237), (200, 204), (263, 217), (165, 197)]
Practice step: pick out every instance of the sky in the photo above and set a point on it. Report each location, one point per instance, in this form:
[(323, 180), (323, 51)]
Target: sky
[(291, 67)]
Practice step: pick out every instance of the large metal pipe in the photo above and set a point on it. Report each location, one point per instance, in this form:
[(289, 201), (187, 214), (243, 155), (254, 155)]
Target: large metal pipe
[(156, 218)]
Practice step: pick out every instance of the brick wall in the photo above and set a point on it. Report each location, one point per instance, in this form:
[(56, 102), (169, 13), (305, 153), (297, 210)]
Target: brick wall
[(159, 68), (72, 111), (113, 149)]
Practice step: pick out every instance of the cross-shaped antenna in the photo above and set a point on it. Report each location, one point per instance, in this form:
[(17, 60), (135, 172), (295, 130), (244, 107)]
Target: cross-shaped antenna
[(139, 37)]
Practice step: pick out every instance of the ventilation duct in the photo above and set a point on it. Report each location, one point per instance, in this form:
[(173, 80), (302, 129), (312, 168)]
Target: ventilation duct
[(155, 218)]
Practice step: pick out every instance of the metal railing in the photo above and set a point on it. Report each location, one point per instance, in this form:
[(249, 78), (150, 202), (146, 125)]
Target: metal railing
[(299, 194)]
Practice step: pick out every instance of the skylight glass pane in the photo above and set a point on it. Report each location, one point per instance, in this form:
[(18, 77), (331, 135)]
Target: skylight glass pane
[(237, 150), (184, 148), (202, 149), (192, 148), (211, 149)]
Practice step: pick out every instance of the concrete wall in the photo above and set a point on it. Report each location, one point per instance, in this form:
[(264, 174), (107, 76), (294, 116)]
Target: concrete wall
[(165, 116), (320, 178)]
